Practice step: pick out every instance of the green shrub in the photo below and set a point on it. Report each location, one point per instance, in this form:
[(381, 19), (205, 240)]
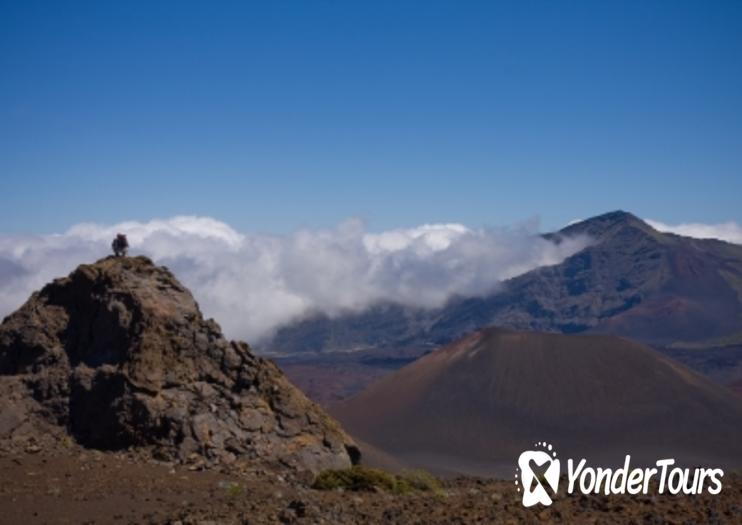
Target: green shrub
[(231, 488), (422, 480), (358, 478)]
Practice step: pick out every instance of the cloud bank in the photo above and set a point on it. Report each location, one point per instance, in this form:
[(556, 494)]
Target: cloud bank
[(252, 283), (727, 231)]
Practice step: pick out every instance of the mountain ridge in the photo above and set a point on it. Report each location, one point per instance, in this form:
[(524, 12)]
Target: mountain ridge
[(666, 290), (627, 263)]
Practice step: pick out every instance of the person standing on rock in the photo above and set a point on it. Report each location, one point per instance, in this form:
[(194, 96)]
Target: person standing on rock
[(120, 245)]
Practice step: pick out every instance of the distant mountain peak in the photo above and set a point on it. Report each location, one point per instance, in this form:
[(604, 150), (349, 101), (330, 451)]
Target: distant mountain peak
[(607, 223), (629, 279), (616, 217)]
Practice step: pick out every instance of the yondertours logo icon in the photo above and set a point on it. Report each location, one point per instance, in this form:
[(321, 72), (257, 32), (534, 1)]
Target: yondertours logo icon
[(539, 470), (539, 474)]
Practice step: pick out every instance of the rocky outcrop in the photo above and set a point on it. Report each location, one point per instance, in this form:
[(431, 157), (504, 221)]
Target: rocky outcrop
[(118, 355)]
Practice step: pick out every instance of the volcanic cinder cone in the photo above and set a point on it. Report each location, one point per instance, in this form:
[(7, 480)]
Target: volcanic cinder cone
[(474, 405), (118, 355)]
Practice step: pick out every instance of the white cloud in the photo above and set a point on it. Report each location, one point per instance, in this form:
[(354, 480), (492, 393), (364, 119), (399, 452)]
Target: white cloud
[(251, 283), (727, 231), (432, 236)]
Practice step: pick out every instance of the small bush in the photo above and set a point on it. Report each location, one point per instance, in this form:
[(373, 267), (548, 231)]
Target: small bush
[(422, 480), (231, 488), (358, 478)]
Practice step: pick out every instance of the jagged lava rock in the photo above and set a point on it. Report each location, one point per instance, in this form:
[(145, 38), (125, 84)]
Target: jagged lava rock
[(118, 355)]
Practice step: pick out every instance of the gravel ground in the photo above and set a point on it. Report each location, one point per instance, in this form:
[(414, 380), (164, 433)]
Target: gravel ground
[(86, 487)]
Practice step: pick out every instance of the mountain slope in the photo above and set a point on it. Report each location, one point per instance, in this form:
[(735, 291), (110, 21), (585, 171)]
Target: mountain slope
[(118, 355), (474, 405), (631, 280)]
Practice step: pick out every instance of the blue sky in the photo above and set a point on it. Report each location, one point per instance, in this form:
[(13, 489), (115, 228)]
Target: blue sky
[(280, 115)]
